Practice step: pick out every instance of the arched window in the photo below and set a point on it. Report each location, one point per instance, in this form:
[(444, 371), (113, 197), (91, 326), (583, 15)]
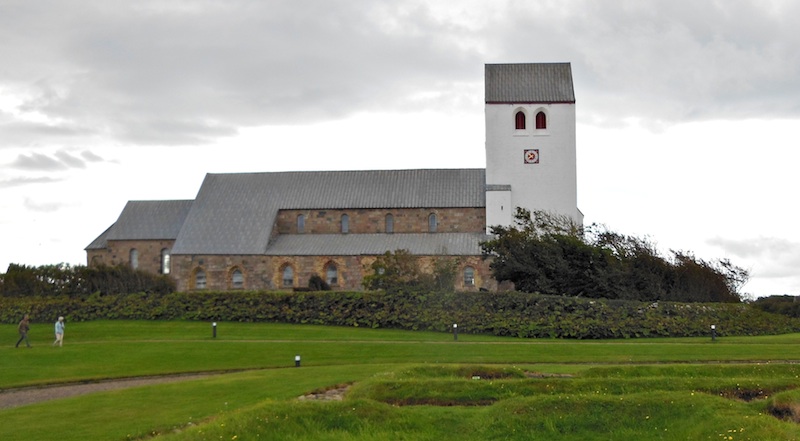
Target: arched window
[(331, 275), (519, 120), (164, 261), (134, 258), (432, 223), (199, 279), (345, 223), (301, 223), (541, 121), (288, 276), (237, 279), (389, 223), (469, 276)]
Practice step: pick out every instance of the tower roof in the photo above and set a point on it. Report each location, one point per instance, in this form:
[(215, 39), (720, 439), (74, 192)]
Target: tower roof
[(529, 83)]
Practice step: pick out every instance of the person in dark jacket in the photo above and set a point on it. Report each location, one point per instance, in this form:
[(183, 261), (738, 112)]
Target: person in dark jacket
[(24, 327)]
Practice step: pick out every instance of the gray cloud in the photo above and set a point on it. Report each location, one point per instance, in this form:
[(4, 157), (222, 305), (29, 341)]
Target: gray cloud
[(91, 157), (44, 207), (38, 162), (175, 76), (19, 182), (61, 160), (160, 72), (69, 160), (670, 61)]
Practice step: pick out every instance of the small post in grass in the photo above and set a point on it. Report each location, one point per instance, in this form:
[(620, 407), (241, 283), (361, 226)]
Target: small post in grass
[(214, 330), (455, 331), (296, 361), (713, 332)]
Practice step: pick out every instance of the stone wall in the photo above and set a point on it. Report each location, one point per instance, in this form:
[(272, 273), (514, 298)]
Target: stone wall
[(266, 272), (366, 221), (118, 252), (261, 272)]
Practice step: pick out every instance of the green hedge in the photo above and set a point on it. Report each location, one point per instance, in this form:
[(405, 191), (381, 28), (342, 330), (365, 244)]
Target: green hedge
[(505, 314)]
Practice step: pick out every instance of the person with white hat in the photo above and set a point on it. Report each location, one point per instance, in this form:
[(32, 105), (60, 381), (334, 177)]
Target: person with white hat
[(59, 332)]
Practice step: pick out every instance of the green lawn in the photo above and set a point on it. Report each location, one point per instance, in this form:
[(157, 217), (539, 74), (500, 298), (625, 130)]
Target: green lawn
[(619, 389)]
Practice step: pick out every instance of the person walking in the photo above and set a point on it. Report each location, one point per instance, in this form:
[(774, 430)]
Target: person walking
[(24, 327), (59, 332)]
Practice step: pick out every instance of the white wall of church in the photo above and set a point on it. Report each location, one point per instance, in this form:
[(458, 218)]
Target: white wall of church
[(499, 209), (547, 179)]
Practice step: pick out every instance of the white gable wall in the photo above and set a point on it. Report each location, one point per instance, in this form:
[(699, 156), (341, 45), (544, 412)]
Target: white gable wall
[(550, 184)]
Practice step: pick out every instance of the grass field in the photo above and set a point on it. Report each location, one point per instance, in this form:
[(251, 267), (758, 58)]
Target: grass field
[(404, 385)]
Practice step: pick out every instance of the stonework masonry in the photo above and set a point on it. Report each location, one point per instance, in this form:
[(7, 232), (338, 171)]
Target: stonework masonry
[(266, 272), (405, 220), (118, 252)]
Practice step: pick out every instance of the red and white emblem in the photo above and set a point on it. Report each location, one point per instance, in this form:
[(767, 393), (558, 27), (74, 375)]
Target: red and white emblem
[(532, 156)]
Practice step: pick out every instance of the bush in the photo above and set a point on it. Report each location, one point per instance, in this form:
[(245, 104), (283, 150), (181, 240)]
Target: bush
[(66, 280), (317, 283), (505, 314)]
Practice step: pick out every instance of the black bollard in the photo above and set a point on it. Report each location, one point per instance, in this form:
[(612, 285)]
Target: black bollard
[(214, 330), (713, 332), (455, 331), (296, 361)]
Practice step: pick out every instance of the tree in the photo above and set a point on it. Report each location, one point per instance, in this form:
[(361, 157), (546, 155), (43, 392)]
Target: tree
[(550, 254), (401, 270), (546, 253)]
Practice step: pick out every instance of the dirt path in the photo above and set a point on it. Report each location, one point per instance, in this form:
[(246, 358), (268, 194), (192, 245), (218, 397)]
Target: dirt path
[(31, 395)]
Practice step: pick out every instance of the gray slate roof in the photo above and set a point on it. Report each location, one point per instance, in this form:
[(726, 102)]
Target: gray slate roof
[(427, 244), (101, 242), (529, 83), (143, 220), (235, 213)]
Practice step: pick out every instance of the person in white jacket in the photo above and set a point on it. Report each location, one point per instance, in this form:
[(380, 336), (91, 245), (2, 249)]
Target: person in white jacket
[(59, 332)]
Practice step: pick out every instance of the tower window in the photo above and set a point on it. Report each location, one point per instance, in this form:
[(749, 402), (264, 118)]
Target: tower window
[(345, 223), (519, 120), (541, 121), (432, 223), (301, 223)]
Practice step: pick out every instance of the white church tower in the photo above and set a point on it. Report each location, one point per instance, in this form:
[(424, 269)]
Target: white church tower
[(530, 141)]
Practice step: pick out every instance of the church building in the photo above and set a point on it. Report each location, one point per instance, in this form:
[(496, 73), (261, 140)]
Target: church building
[(275, 230)]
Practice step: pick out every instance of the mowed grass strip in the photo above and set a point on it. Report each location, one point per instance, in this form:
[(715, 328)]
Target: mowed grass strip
[(111, 349), (610, 402)]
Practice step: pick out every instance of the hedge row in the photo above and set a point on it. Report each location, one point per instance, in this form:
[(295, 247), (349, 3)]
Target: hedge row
[(504, 314)]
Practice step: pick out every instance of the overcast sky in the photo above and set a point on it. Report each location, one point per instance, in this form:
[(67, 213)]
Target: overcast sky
[(688, 111)]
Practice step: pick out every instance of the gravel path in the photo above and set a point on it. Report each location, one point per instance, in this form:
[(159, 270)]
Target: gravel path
[(20, 397)]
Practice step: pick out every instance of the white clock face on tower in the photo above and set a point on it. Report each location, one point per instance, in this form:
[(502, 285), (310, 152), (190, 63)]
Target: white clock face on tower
[(531, 156)]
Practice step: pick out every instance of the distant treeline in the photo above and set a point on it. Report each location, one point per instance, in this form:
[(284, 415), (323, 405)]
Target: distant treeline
[(66, 280), (785, 305)]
